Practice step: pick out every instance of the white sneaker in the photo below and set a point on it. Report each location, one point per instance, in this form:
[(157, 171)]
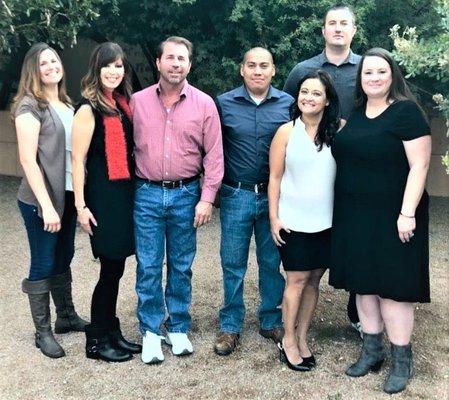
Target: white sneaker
[(151, 348), (180, 343)]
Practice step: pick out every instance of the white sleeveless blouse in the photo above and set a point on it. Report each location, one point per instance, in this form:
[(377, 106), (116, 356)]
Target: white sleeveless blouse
[(307, 186)]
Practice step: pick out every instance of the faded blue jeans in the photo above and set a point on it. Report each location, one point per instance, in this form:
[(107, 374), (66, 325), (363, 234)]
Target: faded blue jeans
[(241, 213), (164, 217)]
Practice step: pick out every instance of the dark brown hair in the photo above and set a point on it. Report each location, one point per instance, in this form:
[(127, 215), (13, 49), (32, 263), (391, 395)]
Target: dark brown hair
[(177, 40), (30, 83), (91, 88)]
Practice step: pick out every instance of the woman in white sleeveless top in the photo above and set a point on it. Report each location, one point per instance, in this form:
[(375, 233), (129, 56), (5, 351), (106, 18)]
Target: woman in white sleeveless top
[(300, 193)]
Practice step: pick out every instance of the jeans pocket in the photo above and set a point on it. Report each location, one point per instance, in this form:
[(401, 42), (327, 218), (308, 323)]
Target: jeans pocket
[(139, 184), (227, 191), (192, 189)]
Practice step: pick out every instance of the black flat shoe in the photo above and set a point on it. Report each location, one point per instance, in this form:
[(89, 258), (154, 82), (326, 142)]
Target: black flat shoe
[(118, 341), (301, 367)]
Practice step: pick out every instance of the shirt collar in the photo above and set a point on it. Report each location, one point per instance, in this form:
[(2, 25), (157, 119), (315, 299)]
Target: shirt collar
[(242, 92), (183, 91), (351, 59)]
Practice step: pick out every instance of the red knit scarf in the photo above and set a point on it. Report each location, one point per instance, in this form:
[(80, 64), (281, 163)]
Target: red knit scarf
[(114, 139)]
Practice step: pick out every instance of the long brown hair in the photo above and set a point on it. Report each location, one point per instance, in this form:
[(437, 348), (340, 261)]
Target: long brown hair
[(91, 88), (30, 80)]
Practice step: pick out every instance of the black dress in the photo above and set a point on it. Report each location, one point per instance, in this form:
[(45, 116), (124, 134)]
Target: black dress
[(111, 202), (367, 256)]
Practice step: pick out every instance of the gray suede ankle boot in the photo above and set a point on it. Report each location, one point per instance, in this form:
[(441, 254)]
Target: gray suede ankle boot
[(67, 320), (401, 368), (39, 297), (371, 358)]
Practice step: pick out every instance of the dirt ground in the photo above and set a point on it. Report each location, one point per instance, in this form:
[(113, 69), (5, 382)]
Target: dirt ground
[(251, 372)]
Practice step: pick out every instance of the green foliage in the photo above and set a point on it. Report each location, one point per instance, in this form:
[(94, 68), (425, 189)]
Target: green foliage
[(55, 21), (428, 56)]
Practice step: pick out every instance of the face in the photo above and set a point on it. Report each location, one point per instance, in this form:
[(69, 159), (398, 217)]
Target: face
[(339, 28), (257, 71), (312, 97), (111, 75), (174, 64), (50, 68), (376, 77)]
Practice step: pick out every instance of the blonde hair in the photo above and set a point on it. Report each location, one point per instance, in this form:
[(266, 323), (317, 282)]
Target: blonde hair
[(30, 83), (91, 88)]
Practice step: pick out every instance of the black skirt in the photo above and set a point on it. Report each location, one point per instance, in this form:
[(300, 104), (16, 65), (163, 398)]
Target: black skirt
[(305, 251)]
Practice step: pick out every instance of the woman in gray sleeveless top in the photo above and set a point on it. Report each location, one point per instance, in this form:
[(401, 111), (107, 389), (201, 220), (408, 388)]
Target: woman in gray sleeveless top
[(43, 115), (300, 193)]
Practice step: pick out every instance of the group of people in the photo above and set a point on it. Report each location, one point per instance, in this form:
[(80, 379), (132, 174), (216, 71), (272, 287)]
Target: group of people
[(328, 173)]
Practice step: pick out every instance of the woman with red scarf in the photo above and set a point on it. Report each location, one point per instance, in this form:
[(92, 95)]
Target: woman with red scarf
[(103, 169)]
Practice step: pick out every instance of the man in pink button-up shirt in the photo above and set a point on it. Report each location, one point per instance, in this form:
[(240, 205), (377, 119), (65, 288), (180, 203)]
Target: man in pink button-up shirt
[(177, 138)]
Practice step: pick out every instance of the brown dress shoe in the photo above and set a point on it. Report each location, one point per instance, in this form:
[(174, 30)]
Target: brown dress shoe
[(275, 334), (226, 343)]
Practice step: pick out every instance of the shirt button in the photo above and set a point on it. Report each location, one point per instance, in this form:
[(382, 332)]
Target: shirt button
[(166, 156), (166, 173)]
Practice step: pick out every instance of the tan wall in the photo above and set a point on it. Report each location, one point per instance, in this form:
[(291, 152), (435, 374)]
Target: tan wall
[(437, 180)]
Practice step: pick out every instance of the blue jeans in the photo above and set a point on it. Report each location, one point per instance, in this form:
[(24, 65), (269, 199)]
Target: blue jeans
[(51, 253), (241, 213), (164, 216)]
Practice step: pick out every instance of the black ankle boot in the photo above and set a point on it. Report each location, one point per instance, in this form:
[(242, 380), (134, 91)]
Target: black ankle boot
[(118, 341), (99, 347), (401, 368), (371, 358)]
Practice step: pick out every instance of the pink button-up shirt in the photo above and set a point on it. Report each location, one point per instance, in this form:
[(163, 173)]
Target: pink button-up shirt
[(180, 142)]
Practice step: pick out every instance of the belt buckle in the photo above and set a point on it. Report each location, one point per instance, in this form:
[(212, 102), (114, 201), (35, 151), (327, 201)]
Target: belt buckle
[(168, 184)]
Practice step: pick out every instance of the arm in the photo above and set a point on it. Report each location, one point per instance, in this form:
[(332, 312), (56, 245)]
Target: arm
[(277, 167), (27, 128), (418, 156), (213, 164), (82, 131)]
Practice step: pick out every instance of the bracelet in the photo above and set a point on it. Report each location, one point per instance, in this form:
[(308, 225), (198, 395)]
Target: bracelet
[(79, 209), (407, 216)]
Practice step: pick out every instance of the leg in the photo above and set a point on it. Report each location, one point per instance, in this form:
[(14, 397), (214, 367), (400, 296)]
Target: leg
[(399, 319), (372, 355), (181, 249), (37, 286), (99, 344), (307, 308), (65, 248), (67, 320), (271, 281), (149, 228), (42, 244), (296, 282), (351, 309), (368, 308), (237, 221), (104, 298)]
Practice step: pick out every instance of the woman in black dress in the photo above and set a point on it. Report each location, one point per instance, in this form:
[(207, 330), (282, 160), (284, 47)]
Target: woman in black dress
[(103, 169), (380, 228)]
